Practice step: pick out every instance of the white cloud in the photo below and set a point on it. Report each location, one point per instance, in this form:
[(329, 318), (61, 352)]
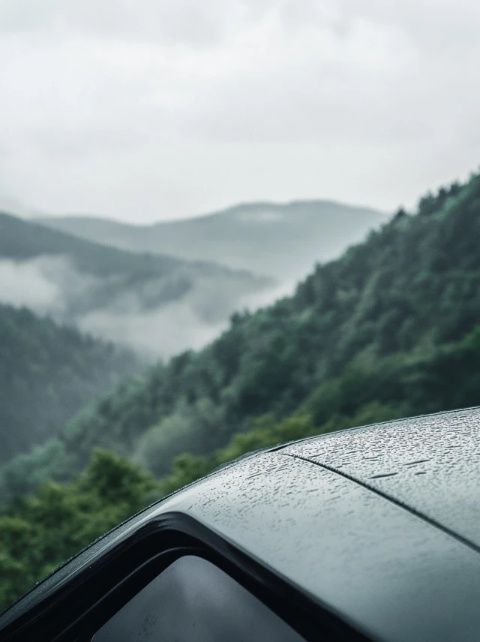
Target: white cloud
[(27, 284), (159, 332), (154, 109), (136, 318)]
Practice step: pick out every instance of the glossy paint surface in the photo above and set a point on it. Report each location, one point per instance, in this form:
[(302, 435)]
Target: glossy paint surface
[(387, 571), (431, 464)]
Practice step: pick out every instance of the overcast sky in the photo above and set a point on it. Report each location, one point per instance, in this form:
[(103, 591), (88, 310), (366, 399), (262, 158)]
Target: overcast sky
[(154, 109)]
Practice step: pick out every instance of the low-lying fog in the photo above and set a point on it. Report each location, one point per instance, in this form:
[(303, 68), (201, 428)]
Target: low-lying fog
[(156, 317)]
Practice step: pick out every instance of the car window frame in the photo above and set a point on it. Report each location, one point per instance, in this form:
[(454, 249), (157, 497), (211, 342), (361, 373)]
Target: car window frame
[(86, 598)]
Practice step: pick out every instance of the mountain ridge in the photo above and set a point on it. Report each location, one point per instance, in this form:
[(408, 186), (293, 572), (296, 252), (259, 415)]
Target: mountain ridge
[(78, 244), (43, 218), (280, 240)]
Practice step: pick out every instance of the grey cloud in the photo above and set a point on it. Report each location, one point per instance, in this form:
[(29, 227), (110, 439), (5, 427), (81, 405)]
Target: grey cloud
[(160, 333), (46, 284), (138, 109), (182, 21)]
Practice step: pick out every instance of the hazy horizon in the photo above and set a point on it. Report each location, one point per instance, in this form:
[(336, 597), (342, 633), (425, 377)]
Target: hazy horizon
[(37, 215)]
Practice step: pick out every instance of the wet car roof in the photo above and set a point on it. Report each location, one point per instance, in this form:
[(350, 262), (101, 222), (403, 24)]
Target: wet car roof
[(320, 514), (383, 567), (430, 464)]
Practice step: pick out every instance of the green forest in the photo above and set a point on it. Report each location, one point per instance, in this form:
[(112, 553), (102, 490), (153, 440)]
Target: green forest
[(389, 329), (57, 369)]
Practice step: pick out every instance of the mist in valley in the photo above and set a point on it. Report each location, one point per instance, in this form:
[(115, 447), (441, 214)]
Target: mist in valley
[(143, 316)]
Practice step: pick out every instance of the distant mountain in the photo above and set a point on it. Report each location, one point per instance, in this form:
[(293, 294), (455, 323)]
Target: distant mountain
[(47, 374), (155, 304), (282, 241)]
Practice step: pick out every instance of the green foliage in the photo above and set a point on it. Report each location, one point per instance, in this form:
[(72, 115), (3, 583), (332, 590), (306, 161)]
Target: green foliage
[(42, 531), (57, 369)]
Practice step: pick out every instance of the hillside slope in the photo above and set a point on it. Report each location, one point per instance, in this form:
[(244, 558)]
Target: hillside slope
[(47, 374), (382, 325), (282, 241), (389, 330), (155, 304)]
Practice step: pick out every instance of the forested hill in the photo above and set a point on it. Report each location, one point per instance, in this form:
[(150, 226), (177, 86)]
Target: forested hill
[(374, 334), (21, 240), (47, 374)]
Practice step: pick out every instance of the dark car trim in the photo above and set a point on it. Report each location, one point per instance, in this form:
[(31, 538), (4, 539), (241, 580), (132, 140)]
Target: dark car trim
[(76, 607)]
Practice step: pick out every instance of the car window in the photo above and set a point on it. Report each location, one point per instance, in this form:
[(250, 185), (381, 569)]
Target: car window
[(194, 601)]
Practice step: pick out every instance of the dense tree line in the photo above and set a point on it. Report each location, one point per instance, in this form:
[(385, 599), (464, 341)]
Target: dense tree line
[(372, 336), (48, 373)]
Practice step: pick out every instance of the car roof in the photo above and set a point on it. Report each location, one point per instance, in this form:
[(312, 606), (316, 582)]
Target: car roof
[(399, 564), (428, 464), (391, 561)]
